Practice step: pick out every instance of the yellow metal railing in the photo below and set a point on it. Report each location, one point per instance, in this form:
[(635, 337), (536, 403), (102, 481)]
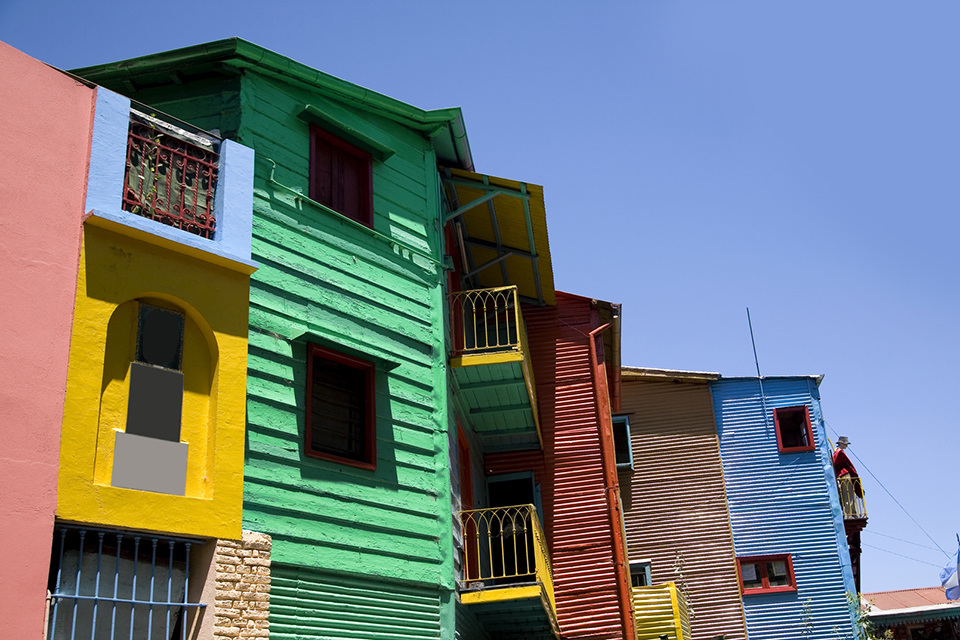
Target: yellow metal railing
[(661, 610), (485, 320), (851, 497), (503, 547)]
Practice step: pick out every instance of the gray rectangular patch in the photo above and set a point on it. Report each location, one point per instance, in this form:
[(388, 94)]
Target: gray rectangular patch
[(149, 464), (155, 403)]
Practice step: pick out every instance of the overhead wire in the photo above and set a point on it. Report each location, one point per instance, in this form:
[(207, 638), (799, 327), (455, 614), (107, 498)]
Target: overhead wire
[(862, 464), (901, 555), (916, 544)]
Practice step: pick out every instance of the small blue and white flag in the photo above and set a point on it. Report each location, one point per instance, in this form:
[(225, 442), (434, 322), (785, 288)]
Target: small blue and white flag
[(949, 576)]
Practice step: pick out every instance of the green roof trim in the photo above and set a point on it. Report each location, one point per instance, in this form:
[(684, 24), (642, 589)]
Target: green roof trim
[(445, 127), (339, 123)]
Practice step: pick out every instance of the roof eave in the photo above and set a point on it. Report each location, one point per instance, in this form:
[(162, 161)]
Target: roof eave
[(644, 373), (440, 125)]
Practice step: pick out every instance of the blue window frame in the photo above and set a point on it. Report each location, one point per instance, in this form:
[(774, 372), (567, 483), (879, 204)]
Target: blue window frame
[(621, 443)]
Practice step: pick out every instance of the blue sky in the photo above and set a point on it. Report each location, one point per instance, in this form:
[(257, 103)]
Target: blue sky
[(799, 158)]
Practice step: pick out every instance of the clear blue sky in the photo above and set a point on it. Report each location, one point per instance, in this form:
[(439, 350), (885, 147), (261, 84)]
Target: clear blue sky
[(800, 158)]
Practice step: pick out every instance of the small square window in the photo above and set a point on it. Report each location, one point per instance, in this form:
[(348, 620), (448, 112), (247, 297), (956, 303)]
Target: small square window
[(793, 429), (341, 176), (160, 337), (340, 408), (640, 574), (621, 443), (766, 574), (155, 401)]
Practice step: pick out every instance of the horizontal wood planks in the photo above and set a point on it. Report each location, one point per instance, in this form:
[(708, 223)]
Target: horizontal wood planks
[(322, 277)]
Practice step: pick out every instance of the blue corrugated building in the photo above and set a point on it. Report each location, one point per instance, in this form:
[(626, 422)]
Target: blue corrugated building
[(785, 512)]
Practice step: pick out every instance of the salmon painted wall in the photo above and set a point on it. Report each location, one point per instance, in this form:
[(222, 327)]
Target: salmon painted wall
[(46, 118), (570, 469)]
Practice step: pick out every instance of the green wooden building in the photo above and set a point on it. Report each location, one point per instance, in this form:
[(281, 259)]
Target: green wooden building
[(348, 430)]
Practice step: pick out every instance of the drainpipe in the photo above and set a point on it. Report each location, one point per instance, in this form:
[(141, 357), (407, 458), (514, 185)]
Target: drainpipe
[(612, 487), (615, 396)]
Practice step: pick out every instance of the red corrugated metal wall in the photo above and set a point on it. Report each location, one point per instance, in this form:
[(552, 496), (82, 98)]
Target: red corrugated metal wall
[(570, 469)]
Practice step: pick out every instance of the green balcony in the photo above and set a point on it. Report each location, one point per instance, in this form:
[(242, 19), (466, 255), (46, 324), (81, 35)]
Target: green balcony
[(492, 366)]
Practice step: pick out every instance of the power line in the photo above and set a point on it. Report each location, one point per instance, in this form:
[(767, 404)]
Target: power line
[(865, 468), (922, 546), (902, 556)]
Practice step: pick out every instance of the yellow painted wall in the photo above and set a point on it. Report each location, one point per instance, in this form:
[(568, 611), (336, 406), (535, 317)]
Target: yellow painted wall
[(116, 271)]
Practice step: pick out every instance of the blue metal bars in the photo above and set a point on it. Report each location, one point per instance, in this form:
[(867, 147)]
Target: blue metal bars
[(97, 594)]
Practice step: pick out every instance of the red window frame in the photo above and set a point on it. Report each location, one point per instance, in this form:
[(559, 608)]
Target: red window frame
[(318, 137), (762, 561), (806, 423), (369, 460)]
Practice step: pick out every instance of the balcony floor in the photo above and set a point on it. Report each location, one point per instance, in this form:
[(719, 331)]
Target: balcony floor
[(512, 613), (500, 405)]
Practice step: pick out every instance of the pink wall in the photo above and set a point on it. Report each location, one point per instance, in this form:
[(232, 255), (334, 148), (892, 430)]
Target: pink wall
[(46, 119)]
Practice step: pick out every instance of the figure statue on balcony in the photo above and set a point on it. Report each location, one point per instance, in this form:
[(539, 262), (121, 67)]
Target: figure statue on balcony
[(848, 481)]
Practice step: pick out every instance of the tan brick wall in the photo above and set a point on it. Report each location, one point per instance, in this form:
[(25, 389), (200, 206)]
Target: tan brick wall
[(242, 587)]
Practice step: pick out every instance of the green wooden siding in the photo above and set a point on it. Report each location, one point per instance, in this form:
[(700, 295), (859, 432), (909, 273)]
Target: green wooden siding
[(305, 603), (341, 534), (322, 276)]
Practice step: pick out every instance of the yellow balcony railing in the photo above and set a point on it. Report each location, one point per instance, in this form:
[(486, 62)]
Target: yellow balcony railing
[(851, 498), (505, 547), (485, 321), (661, 611)]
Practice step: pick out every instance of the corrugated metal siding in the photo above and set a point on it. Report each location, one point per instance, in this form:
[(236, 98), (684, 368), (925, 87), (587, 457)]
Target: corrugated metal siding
[(570, 470), (782, 503), (675, 502), (659, 608), (311, 604)]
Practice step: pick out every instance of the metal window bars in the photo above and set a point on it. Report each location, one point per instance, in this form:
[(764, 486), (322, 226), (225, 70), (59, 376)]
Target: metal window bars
[(851, 498), (171, 174), (486, 320), (503, 546), (120, 584)]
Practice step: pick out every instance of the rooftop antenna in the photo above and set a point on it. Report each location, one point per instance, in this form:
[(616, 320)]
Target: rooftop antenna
[(763, 399)]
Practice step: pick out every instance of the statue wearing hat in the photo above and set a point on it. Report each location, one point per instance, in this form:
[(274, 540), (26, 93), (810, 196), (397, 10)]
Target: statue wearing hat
[(843, 467)]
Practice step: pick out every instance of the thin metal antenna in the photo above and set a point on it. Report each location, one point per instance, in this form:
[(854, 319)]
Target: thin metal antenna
[(763, 399)]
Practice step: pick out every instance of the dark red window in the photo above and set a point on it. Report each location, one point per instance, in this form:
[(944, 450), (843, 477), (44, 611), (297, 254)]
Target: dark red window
[(793, 429), (341, 176), (766, 574), (340, 408)]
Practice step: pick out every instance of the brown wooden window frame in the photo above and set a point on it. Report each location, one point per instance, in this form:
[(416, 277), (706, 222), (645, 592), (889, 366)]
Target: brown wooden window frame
[(810, 446), (365, 214), (369, 460), (761, 562)]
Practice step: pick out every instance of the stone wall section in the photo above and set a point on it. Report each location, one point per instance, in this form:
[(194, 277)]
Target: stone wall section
[(242, 587)]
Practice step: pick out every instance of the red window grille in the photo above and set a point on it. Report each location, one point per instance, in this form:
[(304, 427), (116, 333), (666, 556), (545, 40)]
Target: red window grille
[(171, 175)]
